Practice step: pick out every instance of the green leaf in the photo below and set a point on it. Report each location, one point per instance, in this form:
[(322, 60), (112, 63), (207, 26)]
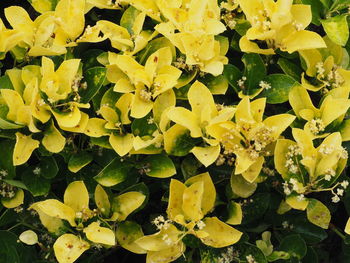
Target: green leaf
[(217, 85), (189, 167), (114, 173), (242, 26), (232, 74), (280, 87), (48, 167), (316, 9), (209, 254), (290, 69), (311, 256), (127, 232), (337, 29), (94, 78), (255, 71), (128, 18), (141, 127), (4, 123), (294, 245), (89, 58), (36, 184), (339, 5), (5, 82), (245, 250), (309, 232), (78, 161), (160, 166), (43, 5), (16, 183), (153, 46), (6, 163), (256, 208), (318, 214)]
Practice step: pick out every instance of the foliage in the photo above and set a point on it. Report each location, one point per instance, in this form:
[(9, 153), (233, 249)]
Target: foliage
[(174, 131)]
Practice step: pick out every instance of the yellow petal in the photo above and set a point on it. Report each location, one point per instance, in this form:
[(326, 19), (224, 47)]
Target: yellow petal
[(200, 97), (295, 203), (53, 224), (24, 147), (206, 155), (68, 248), (14, 201), (122, 144), (166, 255), (254, 170), (76, 196), (53, 140), (55, 208), (192, 201), (71, 13), (209, 194), (175, 198), (96, 128), (156, 242), (187, 119), (219, 233), (102, 200), (301, 40), (126, 203), (14, 101), (101, 235), (251, 47), (68, 119)]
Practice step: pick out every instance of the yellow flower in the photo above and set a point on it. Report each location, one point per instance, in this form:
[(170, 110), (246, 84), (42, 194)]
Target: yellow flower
[(333, 108), (145, 82), (306, 168), (75, 210), (188, 205), (197, 22), (280, 24), (204, 113), (250, 137)]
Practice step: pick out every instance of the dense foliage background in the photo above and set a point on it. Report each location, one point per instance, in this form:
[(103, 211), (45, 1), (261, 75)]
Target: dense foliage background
[(174, 131)]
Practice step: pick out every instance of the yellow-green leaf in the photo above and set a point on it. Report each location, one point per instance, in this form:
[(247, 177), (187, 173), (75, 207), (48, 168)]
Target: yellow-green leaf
[(68, 248)]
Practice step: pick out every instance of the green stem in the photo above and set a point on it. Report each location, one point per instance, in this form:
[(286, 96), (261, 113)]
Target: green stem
[(337, 231)]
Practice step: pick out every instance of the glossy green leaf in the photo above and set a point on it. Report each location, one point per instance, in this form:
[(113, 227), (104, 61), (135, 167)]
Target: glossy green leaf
[(160, 166), (94, 77), (280, 87), (78, 161), (294, 245), (114, 173)]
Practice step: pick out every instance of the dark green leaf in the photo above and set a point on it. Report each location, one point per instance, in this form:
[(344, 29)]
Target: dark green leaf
[(94, 78), (294, 245)]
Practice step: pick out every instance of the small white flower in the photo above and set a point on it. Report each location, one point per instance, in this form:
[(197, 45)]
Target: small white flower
[(340, 192), (335, 199), (344, 184)]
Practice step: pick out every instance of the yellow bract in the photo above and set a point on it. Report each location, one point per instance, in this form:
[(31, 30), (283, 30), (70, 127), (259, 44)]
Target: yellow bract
[(191, 27), (280, 24), (250, 137)]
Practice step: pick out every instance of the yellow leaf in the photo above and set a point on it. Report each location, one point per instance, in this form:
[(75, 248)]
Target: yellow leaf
[(347, 227), (97, 234), (24, 147), (127, 233), (76, 196), (52, 224), (175, 199), (68, 248), (200, 97), (280, 153), (219, 233), (122, 144), (53, 140)]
